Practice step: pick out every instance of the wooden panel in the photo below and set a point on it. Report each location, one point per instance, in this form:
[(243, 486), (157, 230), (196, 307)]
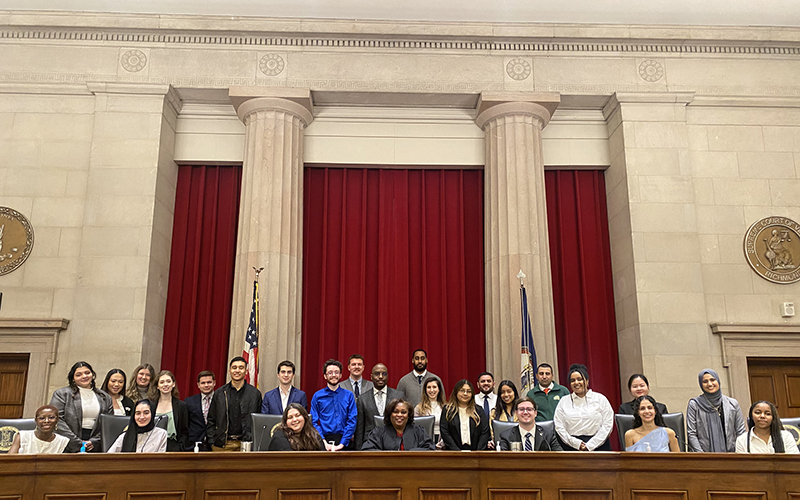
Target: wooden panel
[(763, 387), (659, 495), (10, 497), (232, 494), (75, 496), (776, 380), (13, 378), (514, 494), (304, 494), (737, 495), (444, 494), (157, 495), (376, 493), (585, 494), (793, 390)]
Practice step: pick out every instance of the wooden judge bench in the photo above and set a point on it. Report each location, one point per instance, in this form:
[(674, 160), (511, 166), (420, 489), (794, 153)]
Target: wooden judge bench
[(401, 476)]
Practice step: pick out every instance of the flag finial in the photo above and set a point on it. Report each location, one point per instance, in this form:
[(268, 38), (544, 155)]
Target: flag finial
[(259, 269), (521, 277)]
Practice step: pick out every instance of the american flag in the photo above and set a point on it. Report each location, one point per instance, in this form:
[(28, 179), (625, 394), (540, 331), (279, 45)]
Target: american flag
[(528, 351), (250, 353)]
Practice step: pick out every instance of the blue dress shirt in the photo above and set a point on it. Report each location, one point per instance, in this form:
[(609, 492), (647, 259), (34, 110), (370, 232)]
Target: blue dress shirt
[(334, 412)]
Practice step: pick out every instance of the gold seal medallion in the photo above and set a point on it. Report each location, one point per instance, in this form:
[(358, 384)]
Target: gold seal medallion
[(16, 239), (772, 248), (7, 434)]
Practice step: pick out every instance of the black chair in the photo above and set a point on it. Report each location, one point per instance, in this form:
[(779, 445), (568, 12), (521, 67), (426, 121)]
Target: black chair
[(675, 422), (111, 427), (263, 428), (790, 424), (427, 422), (624, 423), (548, 427), (9, 427), (499, 427)]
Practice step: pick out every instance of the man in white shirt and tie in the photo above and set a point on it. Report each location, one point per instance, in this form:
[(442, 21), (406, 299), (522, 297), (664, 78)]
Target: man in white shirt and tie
[(198, 409), (486, 399), (373, 402), (356, 383)]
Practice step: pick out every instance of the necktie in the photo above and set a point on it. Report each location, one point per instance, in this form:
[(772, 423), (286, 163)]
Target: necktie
[(486, 404), (381, 402), (528, 446), (419, 379), (546, 391), (355, 388), (400, 435), (206, 405)]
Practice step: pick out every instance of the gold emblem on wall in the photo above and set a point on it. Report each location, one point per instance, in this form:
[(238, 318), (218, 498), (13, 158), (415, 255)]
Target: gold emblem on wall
[(7, 434), (772, 248), (16, 239)]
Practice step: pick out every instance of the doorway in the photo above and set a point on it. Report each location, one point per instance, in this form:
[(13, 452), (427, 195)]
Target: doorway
[(776, 380), (13, 379)]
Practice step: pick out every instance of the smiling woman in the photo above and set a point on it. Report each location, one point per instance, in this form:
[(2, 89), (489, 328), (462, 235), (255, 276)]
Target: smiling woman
[(649, 433), (399, 433), (713, 420), (79, 406), (584, 420), (43, 439)]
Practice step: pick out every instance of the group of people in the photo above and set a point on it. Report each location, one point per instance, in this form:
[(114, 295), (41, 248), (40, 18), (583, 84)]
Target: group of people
[(361, 414)]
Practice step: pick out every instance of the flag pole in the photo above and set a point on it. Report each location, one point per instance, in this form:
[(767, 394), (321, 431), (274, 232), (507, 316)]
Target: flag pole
[(250, 352)]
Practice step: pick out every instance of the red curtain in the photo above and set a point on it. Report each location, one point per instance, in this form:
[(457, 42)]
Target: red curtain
[(393, 261), (583, 290), (200, 292)]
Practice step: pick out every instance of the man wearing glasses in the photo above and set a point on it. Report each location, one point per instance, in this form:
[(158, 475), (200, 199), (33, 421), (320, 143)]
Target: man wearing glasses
[(532, 436), (333, 409)]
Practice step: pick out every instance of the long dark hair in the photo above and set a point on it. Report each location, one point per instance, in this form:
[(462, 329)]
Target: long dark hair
[(500, 407), (114, 371), (775, 427), (637, 419), (71, 376), (308, 439), (425, 402), (451, 409)]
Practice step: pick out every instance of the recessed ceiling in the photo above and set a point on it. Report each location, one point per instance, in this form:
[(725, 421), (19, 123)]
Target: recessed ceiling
[(663, 12)]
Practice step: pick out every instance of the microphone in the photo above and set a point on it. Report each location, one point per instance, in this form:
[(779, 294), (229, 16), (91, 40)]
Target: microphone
[(544, 438), (261, 440)]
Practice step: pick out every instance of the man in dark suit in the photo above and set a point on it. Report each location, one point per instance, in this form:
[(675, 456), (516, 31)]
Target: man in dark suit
[(533, 437), (372, 403), (276, 400), (198, 410), (356, 383)]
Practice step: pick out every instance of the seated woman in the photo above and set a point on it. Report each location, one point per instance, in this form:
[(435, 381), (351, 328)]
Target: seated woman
[(431, 404), (80, 405), (464, 426), (296, 432), (638, 386), (114, 386), (164, 393), (584, 420), (398, 432), (506, 408), (43, 440), (713, 420), (142, 435), (649, 433), (766, 433)]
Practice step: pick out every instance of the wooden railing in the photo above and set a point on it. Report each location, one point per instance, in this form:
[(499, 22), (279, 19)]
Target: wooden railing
[(401, 476)]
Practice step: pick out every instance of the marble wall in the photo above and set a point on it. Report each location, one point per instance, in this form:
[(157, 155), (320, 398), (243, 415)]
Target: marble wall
[(702, 138)]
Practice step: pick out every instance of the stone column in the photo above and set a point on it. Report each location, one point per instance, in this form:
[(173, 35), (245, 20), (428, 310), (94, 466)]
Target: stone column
[(270, 222), (515, 219)]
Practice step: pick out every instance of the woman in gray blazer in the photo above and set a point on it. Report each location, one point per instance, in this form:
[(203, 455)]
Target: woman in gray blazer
[(80, 405), (713, 420)]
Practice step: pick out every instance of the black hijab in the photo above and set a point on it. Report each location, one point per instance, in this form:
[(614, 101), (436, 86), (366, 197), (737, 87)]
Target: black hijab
[(133, 431)]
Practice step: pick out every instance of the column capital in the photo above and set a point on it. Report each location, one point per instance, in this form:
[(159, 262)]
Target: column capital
[(493, 105), (247, 100)]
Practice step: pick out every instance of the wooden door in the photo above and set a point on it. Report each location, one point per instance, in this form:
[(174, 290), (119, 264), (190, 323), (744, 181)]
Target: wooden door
[(13, 377), (776, 380)]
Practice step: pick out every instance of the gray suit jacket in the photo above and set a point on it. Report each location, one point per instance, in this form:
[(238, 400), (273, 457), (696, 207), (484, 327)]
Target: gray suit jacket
[(70, 416), (412, 388), (367, 410), (366, 385)]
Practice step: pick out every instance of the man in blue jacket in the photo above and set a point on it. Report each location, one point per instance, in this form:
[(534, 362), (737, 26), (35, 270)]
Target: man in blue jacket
[(276, 400)]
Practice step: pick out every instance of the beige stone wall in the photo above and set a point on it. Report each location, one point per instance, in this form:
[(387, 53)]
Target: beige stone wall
[(703, 138)]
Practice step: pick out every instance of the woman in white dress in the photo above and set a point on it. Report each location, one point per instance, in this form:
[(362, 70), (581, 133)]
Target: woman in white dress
[(44, 439), (141, 436)]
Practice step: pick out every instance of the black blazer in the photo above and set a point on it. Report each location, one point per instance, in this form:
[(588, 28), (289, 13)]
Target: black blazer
[(197, 424), (385, 438), (281, 443), (180, 412), (543, 440), (450, 430), (627, 408)]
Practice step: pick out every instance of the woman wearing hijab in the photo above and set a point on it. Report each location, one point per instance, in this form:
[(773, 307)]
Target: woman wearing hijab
[(142, 435), (713, 420)]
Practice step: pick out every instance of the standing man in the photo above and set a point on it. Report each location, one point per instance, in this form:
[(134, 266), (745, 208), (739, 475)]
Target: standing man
[(487, 399), (333, 409), (546, 393), (199, 405), (373, 403), (356, 384), (276, 400), (532, 436), (229, 414), (411, 384)]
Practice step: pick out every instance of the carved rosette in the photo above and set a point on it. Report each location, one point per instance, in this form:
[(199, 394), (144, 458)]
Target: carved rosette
[(651, 71), (271, 64), (133, 60), (518, 68)]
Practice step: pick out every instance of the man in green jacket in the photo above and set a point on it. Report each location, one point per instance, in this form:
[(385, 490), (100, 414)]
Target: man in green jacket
[(546, 393)]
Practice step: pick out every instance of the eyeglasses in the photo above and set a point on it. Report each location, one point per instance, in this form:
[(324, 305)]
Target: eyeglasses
[(525, 410), (465, 391)]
